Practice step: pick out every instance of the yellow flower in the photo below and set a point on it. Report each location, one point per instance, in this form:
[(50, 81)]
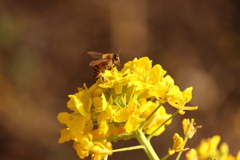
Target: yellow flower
[(112, 130), (120, 104), (115, 130), (224, 152), (103, 112), (102, 123), (101, 150), (156, 74), (177, 145), (131, 114), (115, 79), (191, 155), (139, 68), (100, 103), (74, 122), (159, 117), (238, 156), (122, 115), (83, 145), (133, 123), (178, 99), (189, 128), (65, 135), (208, 148), (80, 102)]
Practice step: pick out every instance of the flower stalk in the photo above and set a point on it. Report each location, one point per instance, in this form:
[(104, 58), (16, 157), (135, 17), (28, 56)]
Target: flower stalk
[(172, 116), (147, 145)]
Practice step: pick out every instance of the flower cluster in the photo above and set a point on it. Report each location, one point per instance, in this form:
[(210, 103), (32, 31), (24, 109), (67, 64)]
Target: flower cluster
[(208, 150), (125, 101), (189, 129)]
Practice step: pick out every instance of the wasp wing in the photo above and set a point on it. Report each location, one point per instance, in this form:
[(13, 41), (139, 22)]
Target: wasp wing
[(94, 63), (95, 54)]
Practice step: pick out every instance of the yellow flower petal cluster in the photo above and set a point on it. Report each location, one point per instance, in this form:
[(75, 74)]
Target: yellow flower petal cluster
[(191, 155), (159, 117), (177, 145), (121, 104), (189, 127), (208, 149)]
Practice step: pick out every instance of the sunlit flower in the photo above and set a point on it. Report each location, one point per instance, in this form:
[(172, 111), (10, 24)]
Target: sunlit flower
[(157, 119), (112, 130), (115, 80), (100, 103), (177, 145), (139, 72), (189, 128), (83, 145), (74, 122), (178, 99), (238, 156), (80, 102), (127, 100), (101, 150), (131, 114), (105, 111), (65, 135), (139, 68), (191, 155), (208, 148)]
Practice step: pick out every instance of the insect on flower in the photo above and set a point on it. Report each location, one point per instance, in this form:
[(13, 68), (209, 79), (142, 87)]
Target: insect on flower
[(105, 62)]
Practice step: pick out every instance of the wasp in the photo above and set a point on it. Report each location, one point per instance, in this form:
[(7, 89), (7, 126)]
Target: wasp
[(105, 62)]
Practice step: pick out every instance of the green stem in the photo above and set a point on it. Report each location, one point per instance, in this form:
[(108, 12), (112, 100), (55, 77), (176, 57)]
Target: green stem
[(147, 145), (123, 99), (124, 95), (151, 135), (131, 94), (117, 103), (165, 157), (143, 124), (128, 148), (117, 137)]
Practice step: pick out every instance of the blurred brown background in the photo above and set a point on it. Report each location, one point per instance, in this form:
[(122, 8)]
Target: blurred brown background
[(43, 59)]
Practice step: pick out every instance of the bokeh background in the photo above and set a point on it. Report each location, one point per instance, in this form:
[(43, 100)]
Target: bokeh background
[(43, 59)]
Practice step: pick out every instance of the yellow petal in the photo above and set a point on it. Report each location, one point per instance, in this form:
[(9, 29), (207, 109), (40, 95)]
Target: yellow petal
[(191, 155), (187, 94), (63, 117), (77, 103), (100, 103), (65, 135), (122, 115), (133, 123), (118, 88), (156, 74), (76, 124)]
